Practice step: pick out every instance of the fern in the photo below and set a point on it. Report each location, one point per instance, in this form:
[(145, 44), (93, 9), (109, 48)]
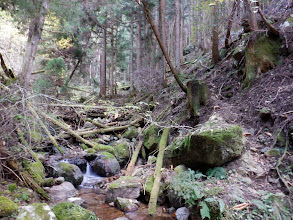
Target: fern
[(217, 172), (204, 211)]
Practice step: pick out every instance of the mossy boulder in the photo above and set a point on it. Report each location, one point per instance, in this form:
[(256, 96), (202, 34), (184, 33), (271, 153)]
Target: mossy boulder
[(90, 154), (124, 187), (102, 147), (36, 211), (263, 57), (36, 170), (130, 133), (7, 207), (70, 172), (198, 94), (105, 164), (214, 144), (126, 205), (122, 151), (148, 185), (70, 211), (151, 137)]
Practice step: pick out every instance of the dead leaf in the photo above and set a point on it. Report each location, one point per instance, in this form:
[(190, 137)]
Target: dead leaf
[(240, 206), (268, 134)]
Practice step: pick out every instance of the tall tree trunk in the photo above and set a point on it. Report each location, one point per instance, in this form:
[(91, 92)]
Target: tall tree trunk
[(34, 36), (215, 37), (182, 36), (112, 63), (138, 43), (103, 83), (177, 35), (163, 37), (230, 22), (131, 70), (173, 70)]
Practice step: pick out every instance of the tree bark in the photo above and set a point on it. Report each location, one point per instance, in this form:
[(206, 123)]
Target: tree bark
[(230, 22), (175, 74), (163, 35), (103, 61), (177, 35), (159, 165), (215, 37), (34, 36), (112, 63), (138, 43), (131, 56)]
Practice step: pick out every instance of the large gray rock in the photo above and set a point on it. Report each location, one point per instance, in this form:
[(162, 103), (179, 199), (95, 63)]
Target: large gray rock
[(214, 144), (182, 213), (80, 162), (124, 187), (36, 211), (126, 205), (70, 172), (62, 192), (105, 165)]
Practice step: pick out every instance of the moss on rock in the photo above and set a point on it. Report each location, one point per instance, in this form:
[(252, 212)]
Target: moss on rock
[(7, 207), (131, 133), (36, 170), (108, 155), (122, 151), (37, 211), (70, 211), (66, 167), (214, 144), (265, 55), (151, 137), (102, 147)]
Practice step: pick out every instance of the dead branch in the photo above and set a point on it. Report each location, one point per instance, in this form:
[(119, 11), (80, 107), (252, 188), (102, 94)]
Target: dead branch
[(131, 165), (8, 72), (270, 26), (54, 142), (97, 123)]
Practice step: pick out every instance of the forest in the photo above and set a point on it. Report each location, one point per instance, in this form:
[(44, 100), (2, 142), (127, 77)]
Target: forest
[(146, 109)]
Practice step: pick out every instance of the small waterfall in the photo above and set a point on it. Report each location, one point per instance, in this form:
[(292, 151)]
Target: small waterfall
[(90, 178)]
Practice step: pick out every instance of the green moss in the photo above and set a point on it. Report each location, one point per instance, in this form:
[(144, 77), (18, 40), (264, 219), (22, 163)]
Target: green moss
[(180, 168), (66, 167), (149, 183), (108, 155), (221, 136), (122, 150), (7, 207), (84, 146), (127, 179), (48, 182), (273, 153), (131, 133), (90, 151), (102, 147), (151, 136), (37, 135), (37, 211), (36, 170), (265, 49), (290, 19), (12, 187), (70, 211)]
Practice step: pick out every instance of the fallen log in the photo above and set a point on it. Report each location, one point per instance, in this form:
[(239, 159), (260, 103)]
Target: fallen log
[(74, 134), (97, 123), (131, 165), (51, 138), (156, 187)]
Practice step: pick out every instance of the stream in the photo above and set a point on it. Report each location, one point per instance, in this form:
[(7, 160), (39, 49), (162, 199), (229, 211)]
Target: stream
[(95, 201)]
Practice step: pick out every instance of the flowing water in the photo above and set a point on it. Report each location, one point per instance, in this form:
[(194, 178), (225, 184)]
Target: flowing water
[(95, 201)]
